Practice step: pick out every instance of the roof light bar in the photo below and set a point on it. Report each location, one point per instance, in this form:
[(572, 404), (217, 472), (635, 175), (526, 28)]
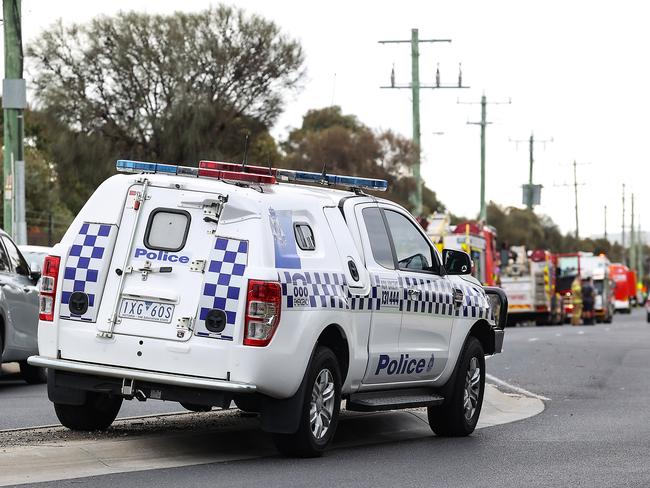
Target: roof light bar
[(237, 167), (236, 176), (250, 174), (299, 176), (349, 181), (127, 166)]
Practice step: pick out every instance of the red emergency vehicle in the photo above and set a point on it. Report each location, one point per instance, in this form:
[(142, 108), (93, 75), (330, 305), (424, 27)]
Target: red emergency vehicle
[(479, 241), (625, 289)]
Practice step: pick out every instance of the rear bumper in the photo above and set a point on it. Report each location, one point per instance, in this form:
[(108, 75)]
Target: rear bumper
[(140, 375)]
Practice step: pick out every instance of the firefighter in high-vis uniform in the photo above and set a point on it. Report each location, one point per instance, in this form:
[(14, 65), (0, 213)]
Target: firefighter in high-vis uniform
[(576, 300)]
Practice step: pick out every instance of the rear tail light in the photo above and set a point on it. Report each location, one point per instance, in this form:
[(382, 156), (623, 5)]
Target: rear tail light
[(47, 289), (263, 304)]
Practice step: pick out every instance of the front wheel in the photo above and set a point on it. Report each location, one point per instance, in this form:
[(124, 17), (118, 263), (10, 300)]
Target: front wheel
[(97, 412), (320, 410), (459, 414)]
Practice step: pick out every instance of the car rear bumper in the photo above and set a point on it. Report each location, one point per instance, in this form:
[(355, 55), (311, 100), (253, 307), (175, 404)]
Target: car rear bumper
[(140, 375)]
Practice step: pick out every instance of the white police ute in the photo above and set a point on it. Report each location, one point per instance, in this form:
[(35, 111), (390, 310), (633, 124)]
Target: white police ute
[(266, 287)]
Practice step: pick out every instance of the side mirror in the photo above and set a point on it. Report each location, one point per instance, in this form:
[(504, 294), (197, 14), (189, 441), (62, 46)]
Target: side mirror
[(456, 262), (498, 305), (35, 276), (36, 266)]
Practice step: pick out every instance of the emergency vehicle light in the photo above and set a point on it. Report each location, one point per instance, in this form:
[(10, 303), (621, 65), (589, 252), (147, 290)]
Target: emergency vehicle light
[(236, 176), (127, 166), (299, 176), (328, 179), (256, 170)]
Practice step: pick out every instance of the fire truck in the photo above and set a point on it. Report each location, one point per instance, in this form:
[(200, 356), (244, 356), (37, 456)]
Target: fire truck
[(479, 241), (598, 267), (625, 288), (529, 281)]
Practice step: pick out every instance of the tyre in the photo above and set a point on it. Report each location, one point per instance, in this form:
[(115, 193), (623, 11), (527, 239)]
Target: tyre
[(648, 316), (458, 416), (320, 410), (97, 413), (32, 374)]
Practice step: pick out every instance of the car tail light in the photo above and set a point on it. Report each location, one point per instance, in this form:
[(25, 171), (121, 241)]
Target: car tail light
[(47, 289), (263, 303)]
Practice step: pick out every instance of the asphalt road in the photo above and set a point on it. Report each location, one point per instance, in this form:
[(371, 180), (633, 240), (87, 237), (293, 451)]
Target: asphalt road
[(23, 405), (594, 431)]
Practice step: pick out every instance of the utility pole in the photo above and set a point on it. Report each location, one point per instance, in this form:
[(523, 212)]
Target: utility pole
[(605, 222), (415, 88), (575, 188), (483, 123), (632, 238), (14, 101), (531, 161)]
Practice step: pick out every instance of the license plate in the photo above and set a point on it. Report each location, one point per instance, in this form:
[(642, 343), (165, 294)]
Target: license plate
[(146, 310)]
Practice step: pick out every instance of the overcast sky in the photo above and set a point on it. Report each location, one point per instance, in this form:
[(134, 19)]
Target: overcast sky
[(576, 71)]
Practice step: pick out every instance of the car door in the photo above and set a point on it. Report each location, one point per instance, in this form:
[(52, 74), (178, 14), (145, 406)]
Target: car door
[(384, 300), (21, 296), (427, 300)]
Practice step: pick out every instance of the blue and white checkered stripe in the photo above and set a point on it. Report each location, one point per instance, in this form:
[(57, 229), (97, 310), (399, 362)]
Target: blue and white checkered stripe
[(475, 303), (222, 284), (87, 267), (314, 289)]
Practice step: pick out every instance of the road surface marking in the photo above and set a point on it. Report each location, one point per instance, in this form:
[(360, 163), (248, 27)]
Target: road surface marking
[(533, 339), (518, 389)]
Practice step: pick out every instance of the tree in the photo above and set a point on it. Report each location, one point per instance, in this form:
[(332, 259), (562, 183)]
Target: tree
[(342, 144), (165, 88)]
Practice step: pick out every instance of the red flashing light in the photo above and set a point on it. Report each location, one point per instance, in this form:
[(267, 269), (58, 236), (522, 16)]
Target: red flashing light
[(236, 176), (236, 167)]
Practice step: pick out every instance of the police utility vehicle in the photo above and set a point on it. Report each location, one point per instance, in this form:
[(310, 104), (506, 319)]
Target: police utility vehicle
[(238, 283)]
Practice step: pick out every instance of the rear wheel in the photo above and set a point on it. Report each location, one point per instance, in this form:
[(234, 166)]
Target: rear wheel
[(32, 374), (459, 414), (97, 413), (320, 410)]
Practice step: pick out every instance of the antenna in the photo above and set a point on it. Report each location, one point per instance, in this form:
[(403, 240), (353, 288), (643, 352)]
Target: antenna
[(243, 164)]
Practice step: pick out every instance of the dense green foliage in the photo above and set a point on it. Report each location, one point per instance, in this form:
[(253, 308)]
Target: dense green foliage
[(174, 88), (341, 144)]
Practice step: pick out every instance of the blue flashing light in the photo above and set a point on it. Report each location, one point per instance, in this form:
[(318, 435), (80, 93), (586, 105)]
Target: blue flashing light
[(127, 166), (328, 179)]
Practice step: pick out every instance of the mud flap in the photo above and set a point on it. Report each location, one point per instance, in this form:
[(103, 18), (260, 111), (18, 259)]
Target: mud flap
[(62, 394), (283, 416)]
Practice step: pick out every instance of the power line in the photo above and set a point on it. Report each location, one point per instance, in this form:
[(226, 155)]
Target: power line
[(415, 88)]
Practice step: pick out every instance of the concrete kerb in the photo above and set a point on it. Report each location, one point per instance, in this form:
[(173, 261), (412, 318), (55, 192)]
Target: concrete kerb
[(49, 454)]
